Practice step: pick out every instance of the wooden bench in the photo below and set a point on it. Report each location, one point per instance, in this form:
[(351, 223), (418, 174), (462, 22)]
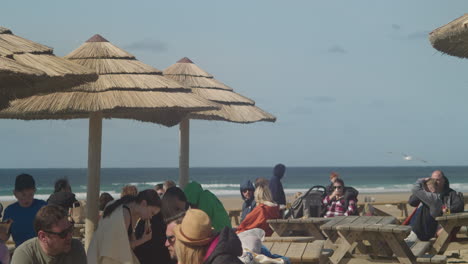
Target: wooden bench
[(449, 223), (234, 215), (386, 241), (300, 252), (299, 227)]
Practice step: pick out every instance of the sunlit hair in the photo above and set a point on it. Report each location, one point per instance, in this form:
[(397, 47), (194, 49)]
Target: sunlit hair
[(334, 174), (129, 190), (168, 184), (261, 181), (262, 194), (189, 254)]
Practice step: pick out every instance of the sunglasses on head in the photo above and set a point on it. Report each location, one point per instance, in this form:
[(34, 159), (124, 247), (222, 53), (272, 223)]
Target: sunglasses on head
[(62, 234), (337, 187)]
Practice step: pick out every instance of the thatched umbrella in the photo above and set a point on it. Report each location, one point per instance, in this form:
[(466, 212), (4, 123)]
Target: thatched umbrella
[(28, 68), (452, 38), (13, 75), (234, 107), (125, 87)]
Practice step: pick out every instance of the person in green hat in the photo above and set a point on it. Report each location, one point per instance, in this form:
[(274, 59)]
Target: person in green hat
[(209, 203)]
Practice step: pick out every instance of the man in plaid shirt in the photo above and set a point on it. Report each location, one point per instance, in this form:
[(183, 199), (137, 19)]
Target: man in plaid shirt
[(335, 202)]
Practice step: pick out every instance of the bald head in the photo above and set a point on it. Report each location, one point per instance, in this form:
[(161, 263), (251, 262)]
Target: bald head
[(439, 178)]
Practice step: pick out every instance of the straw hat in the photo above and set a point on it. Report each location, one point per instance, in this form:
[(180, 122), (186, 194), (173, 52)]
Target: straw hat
[(195, 229)]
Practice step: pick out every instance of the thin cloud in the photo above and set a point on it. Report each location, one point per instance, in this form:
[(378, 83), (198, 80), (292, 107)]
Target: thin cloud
[(337, 50), (147, 45), (396, 26), (321, 99), (423, 34)]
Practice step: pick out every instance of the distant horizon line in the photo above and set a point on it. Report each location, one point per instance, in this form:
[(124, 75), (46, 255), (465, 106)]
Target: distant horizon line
[(214, 167)]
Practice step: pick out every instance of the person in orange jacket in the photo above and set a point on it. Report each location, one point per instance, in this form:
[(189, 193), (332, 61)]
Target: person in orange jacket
[(266, 209)]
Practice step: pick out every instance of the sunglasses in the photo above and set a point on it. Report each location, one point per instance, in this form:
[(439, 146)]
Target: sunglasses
[(171, 239), (337, 187), (62, 234)]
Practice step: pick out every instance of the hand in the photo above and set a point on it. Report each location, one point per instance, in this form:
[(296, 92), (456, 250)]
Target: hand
[(147, 236)]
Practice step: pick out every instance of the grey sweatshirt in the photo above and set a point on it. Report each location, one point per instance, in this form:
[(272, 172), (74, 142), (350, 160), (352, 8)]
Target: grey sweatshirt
[(432, 200)]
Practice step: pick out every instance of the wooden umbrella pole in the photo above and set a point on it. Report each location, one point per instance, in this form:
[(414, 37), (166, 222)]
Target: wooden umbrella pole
[(94, 170), (184, 142)]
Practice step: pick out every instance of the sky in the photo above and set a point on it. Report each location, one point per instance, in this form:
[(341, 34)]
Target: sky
[(349, 82)]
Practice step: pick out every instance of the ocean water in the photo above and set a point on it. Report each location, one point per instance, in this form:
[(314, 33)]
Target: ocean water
[(225, 181)]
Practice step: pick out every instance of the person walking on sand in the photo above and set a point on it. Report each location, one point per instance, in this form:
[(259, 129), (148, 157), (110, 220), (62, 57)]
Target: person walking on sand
[(276, 187), (114, 239), (54, 242)]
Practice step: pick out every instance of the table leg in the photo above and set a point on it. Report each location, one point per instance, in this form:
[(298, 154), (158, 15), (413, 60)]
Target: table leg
[(441, 244), (399, 248), (347, 242)]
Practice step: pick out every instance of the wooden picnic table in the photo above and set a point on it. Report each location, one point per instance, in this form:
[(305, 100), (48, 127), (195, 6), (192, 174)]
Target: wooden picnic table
[(329, 228), (300, 252), (299, 227), (386, 240), (448, 223)]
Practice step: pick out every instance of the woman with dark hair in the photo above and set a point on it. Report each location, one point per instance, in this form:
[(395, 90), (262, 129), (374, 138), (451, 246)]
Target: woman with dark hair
[(336, 204), (174, 202), (63, 195), (108, 244)]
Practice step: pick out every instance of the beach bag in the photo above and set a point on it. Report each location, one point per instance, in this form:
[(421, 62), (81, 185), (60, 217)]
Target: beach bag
[(78, 213), (308, 204)]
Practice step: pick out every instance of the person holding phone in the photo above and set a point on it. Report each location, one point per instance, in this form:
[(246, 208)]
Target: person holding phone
[(336, 203)]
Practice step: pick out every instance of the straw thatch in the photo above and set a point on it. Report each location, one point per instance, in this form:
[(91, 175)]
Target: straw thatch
[(14, 75), (234, 107), (51, 73), (452, 38), (125, 88)]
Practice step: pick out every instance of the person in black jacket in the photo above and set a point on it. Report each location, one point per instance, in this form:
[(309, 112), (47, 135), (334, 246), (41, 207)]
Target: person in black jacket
[(445, 200), (226, 250), (247, 190), (196, 242), (276, 187), (63, 195)]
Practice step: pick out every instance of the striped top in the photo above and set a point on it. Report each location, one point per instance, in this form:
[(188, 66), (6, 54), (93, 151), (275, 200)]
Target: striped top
[(337, 207)]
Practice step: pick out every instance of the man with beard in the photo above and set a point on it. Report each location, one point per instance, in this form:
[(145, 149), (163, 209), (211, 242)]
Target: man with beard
[(54, 243), (170, 237), (444, 200), (247, 190)]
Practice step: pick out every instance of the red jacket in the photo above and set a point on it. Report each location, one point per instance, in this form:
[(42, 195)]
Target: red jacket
[(258, 218)]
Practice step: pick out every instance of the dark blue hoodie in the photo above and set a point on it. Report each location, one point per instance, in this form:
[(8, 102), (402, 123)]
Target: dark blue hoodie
[(249, 204), (276, 187)]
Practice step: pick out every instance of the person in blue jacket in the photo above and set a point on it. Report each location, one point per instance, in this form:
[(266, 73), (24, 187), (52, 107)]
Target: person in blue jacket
[(24, 210), (276, 187)]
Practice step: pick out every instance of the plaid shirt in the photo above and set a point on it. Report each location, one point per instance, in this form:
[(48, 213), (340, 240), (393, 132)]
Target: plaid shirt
[(336, 207)]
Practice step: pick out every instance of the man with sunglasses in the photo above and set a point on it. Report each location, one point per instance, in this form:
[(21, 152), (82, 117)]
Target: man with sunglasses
[(247, 190), (170, 237), (54, 243), (336, 203)]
